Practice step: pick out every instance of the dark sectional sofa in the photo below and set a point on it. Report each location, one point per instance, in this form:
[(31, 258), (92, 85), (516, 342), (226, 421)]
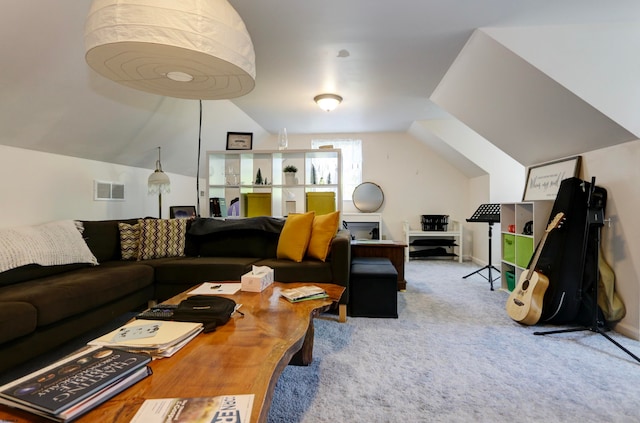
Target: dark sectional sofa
[(44, 307)]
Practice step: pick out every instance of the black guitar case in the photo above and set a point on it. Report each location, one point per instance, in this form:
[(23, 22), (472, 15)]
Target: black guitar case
[(569, 255)]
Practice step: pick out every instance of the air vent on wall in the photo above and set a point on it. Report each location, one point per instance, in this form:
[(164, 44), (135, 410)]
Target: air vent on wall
[(108, 191)]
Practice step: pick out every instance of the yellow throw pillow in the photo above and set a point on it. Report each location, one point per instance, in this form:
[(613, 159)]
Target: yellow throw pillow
[(323, 230), (295, 236)]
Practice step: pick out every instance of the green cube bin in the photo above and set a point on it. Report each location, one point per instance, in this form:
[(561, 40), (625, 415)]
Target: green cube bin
[(524, 250), (511, 280), (508, 248)]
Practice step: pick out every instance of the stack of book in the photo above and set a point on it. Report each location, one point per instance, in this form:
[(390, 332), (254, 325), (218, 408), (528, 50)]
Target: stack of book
[(304, 293), (76, 384), (155, 337)]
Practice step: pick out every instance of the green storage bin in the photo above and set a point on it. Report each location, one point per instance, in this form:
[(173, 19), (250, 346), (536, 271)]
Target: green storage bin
[(524, 250), (511, 280), (258, 204), (508, 248)]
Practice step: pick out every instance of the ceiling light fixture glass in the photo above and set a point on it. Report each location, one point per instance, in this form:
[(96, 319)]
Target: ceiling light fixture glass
[(194, 49), (328, 102)]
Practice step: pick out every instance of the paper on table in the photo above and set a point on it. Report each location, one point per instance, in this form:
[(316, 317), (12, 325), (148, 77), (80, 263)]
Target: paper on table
[(215, 288)]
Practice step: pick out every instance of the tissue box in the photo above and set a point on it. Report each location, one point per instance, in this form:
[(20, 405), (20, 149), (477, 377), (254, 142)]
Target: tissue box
[(256, 282)]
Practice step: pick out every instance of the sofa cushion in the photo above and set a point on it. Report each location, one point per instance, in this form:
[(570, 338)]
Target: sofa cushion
[(295, 236), (16, 319), (323, 229), (162, 238), (103, 237), (193, 270), (238, 243), (129, 240), (69, 294), (306, 271), (35, 271)]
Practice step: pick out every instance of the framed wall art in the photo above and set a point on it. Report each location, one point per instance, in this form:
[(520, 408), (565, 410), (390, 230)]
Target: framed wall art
[(543, 181), (239, 140), (182, 212)]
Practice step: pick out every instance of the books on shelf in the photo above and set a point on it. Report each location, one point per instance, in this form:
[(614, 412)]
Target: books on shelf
[(224, 408), (304, 293), (76, 384), (159, 338)]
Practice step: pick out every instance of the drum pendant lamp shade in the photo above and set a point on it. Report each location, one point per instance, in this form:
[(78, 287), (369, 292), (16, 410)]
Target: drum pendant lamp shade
[(193, 49)]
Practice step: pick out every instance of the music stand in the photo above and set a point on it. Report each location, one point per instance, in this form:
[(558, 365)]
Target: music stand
[(489, 213)]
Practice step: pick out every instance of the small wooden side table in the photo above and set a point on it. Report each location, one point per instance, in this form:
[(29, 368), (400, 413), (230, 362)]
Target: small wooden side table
[(393, 250)]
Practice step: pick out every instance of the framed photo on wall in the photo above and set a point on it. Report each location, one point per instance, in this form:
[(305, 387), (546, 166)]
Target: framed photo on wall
[(543, 181), (239, 140), (182, 212)]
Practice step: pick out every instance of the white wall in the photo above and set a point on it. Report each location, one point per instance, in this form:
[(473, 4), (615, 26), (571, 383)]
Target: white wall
[(415, 180), (36, 187)]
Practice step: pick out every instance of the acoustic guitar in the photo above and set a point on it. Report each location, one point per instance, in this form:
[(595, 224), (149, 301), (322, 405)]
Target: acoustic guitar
[(525, 301)]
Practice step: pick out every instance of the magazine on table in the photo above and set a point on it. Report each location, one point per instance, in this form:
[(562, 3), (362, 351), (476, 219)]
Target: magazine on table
[(75, 384), (224, 408), (303, 293)]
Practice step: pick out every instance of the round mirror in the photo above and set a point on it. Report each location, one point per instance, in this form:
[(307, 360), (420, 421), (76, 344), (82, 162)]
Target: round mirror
[(368, 197)]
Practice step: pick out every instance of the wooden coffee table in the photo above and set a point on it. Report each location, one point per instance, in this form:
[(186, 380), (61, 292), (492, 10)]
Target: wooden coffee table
[(245, 356)]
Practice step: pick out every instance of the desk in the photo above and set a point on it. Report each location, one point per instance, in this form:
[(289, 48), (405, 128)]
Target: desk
[(393, 250), (245, 356)]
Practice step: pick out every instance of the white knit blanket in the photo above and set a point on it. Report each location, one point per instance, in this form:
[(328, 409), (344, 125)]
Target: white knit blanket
[(48, 244)]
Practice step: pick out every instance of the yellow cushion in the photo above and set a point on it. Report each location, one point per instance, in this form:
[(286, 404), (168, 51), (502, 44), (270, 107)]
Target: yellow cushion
[(295, 236), (323, 230)]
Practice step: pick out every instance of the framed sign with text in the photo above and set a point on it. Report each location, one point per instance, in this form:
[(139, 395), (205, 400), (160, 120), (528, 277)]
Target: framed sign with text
[(543, 181), (239, 140)]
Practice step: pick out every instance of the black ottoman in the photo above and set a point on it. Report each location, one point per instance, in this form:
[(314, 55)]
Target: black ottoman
[(373, 288)]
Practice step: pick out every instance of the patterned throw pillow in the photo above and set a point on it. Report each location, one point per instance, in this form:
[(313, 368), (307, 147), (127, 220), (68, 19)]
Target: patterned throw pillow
[(129, 240), (162, 238)]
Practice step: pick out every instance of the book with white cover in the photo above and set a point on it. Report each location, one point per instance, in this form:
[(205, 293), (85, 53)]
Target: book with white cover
[(149, 334)]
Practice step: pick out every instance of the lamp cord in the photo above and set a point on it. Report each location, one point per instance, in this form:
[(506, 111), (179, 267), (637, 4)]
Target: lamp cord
[(198, 164)]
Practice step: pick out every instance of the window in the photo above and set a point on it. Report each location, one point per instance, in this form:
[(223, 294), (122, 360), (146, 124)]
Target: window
[(351, 162)]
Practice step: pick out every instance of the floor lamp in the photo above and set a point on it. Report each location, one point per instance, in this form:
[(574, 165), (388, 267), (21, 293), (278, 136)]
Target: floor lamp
[(159, 183)]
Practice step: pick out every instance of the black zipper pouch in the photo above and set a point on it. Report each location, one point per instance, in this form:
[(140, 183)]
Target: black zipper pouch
[(211, 311)]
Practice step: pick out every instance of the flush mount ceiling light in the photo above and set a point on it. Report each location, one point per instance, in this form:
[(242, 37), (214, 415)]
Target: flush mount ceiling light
[(328, 102), (195, 49)]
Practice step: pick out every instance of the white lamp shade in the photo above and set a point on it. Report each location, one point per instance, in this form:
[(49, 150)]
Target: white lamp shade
[(194, 49), (159, 183), (328, 102)]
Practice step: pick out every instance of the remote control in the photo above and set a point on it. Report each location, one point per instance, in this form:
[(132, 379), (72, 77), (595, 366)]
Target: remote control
[(158, 312)]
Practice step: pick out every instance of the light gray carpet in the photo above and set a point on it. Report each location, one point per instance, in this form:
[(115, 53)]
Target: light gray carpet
[(454, 355)]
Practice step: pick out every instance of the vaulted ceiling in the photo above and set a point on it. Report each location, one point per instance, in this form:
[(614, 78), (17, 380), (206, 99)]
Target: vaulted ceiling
[(540, 79)]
